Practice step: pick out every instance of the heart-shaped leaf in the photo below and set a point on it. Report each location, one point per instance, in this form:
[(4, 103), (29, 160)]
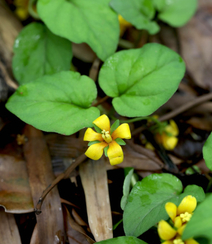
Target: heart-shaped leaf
[(175, 12), (141, 80), (39, 52), (123, 240), (59, 103), (138, 12), (145, 206), (207, 149), (93, 22)]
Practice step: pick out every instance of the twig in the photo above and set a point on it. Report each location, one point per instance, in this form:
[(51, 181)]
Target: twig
[(177, 111), (101, 101), (63, 175)]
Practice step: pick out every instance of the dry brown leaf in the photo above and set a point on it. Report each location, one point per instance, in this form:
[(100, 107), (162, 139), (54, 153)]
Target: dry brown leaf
[(15, 193), (9, 233), (94, 180), (195, 41), (77, 218), (50, 221), (76, 234)]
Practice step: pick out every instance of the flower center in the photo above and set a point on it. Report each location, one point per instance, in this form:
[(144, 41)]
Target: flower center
[(178, 241), (185, 216), (106, 136)]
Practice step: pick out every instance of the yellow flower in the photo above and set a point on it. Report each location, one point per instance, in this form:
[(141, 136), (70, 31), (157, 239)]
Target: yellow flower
[(123, 24), (22, 9), (180, 216), (168, 138), (105, 138)]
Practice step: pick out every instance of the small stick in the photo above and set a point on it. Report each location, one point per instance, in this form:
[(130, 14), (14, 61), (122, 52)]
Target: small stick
[(63, 175)]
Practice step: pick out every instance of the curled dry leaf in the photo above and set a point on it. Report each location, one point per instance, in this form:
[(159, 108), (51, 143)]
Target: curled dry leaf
[(50, 222), (76, 234), (15, 193), (94, 181), (8, 229)]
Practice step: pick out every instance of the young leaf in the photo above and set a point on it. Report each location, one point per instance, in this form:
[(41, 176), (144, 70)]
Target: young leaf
[(38, 52), (145, 204), (120, 141), (123, 240), (93, 22), (207, 149), (114, 126), (141, 80), (126, 189), (176, 12), (140, 15), (200, 224), (57, 103)]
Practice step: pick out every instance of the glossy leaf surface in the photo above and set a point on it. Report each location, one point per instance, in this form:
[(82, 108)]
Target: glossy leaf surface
[(38, 52), (145, 206), (93, 22), (138, 12), (175, 12), (207, 152), (123, 240), (141, 80), (58, 103)]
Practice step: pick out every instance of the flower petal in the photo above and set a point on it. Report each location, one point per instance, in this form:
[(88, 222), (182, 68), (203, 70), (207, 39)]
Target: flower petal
[(177, 222), (171, 210), (123, 132), (172, 128), (181, 229), (91, 135), (191, 241), (188, 204), (169, 142), (165, 231), (115, 153), (102, 122), (95, 151), (167, 242)]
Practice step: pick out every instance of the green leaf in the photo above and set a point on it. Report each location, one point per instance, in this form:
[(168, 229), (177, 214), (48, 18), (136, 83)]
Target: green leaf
[(97, 128), (38, 52), (207, 149), (57, 103), (93, 142), (114, 126), (93, 22), (176, 12), (195, 191), (141, 80), (140, 15), (105, 150), (117, 224), (120, 141), (200, 224), (126, 189), (123, 240), (145, 206)]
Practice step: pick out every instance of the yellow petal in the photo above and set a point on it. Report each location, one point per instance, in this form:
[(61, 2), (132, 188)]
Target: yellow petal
[(169, 143), (115, 153), (172, 128), (181, 229), (188, 204), (167, 242), (95, 151), (165, 231), (102, 122), (177, 222), (191, 241), (171, 210), (91, 135), (123, 132)]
